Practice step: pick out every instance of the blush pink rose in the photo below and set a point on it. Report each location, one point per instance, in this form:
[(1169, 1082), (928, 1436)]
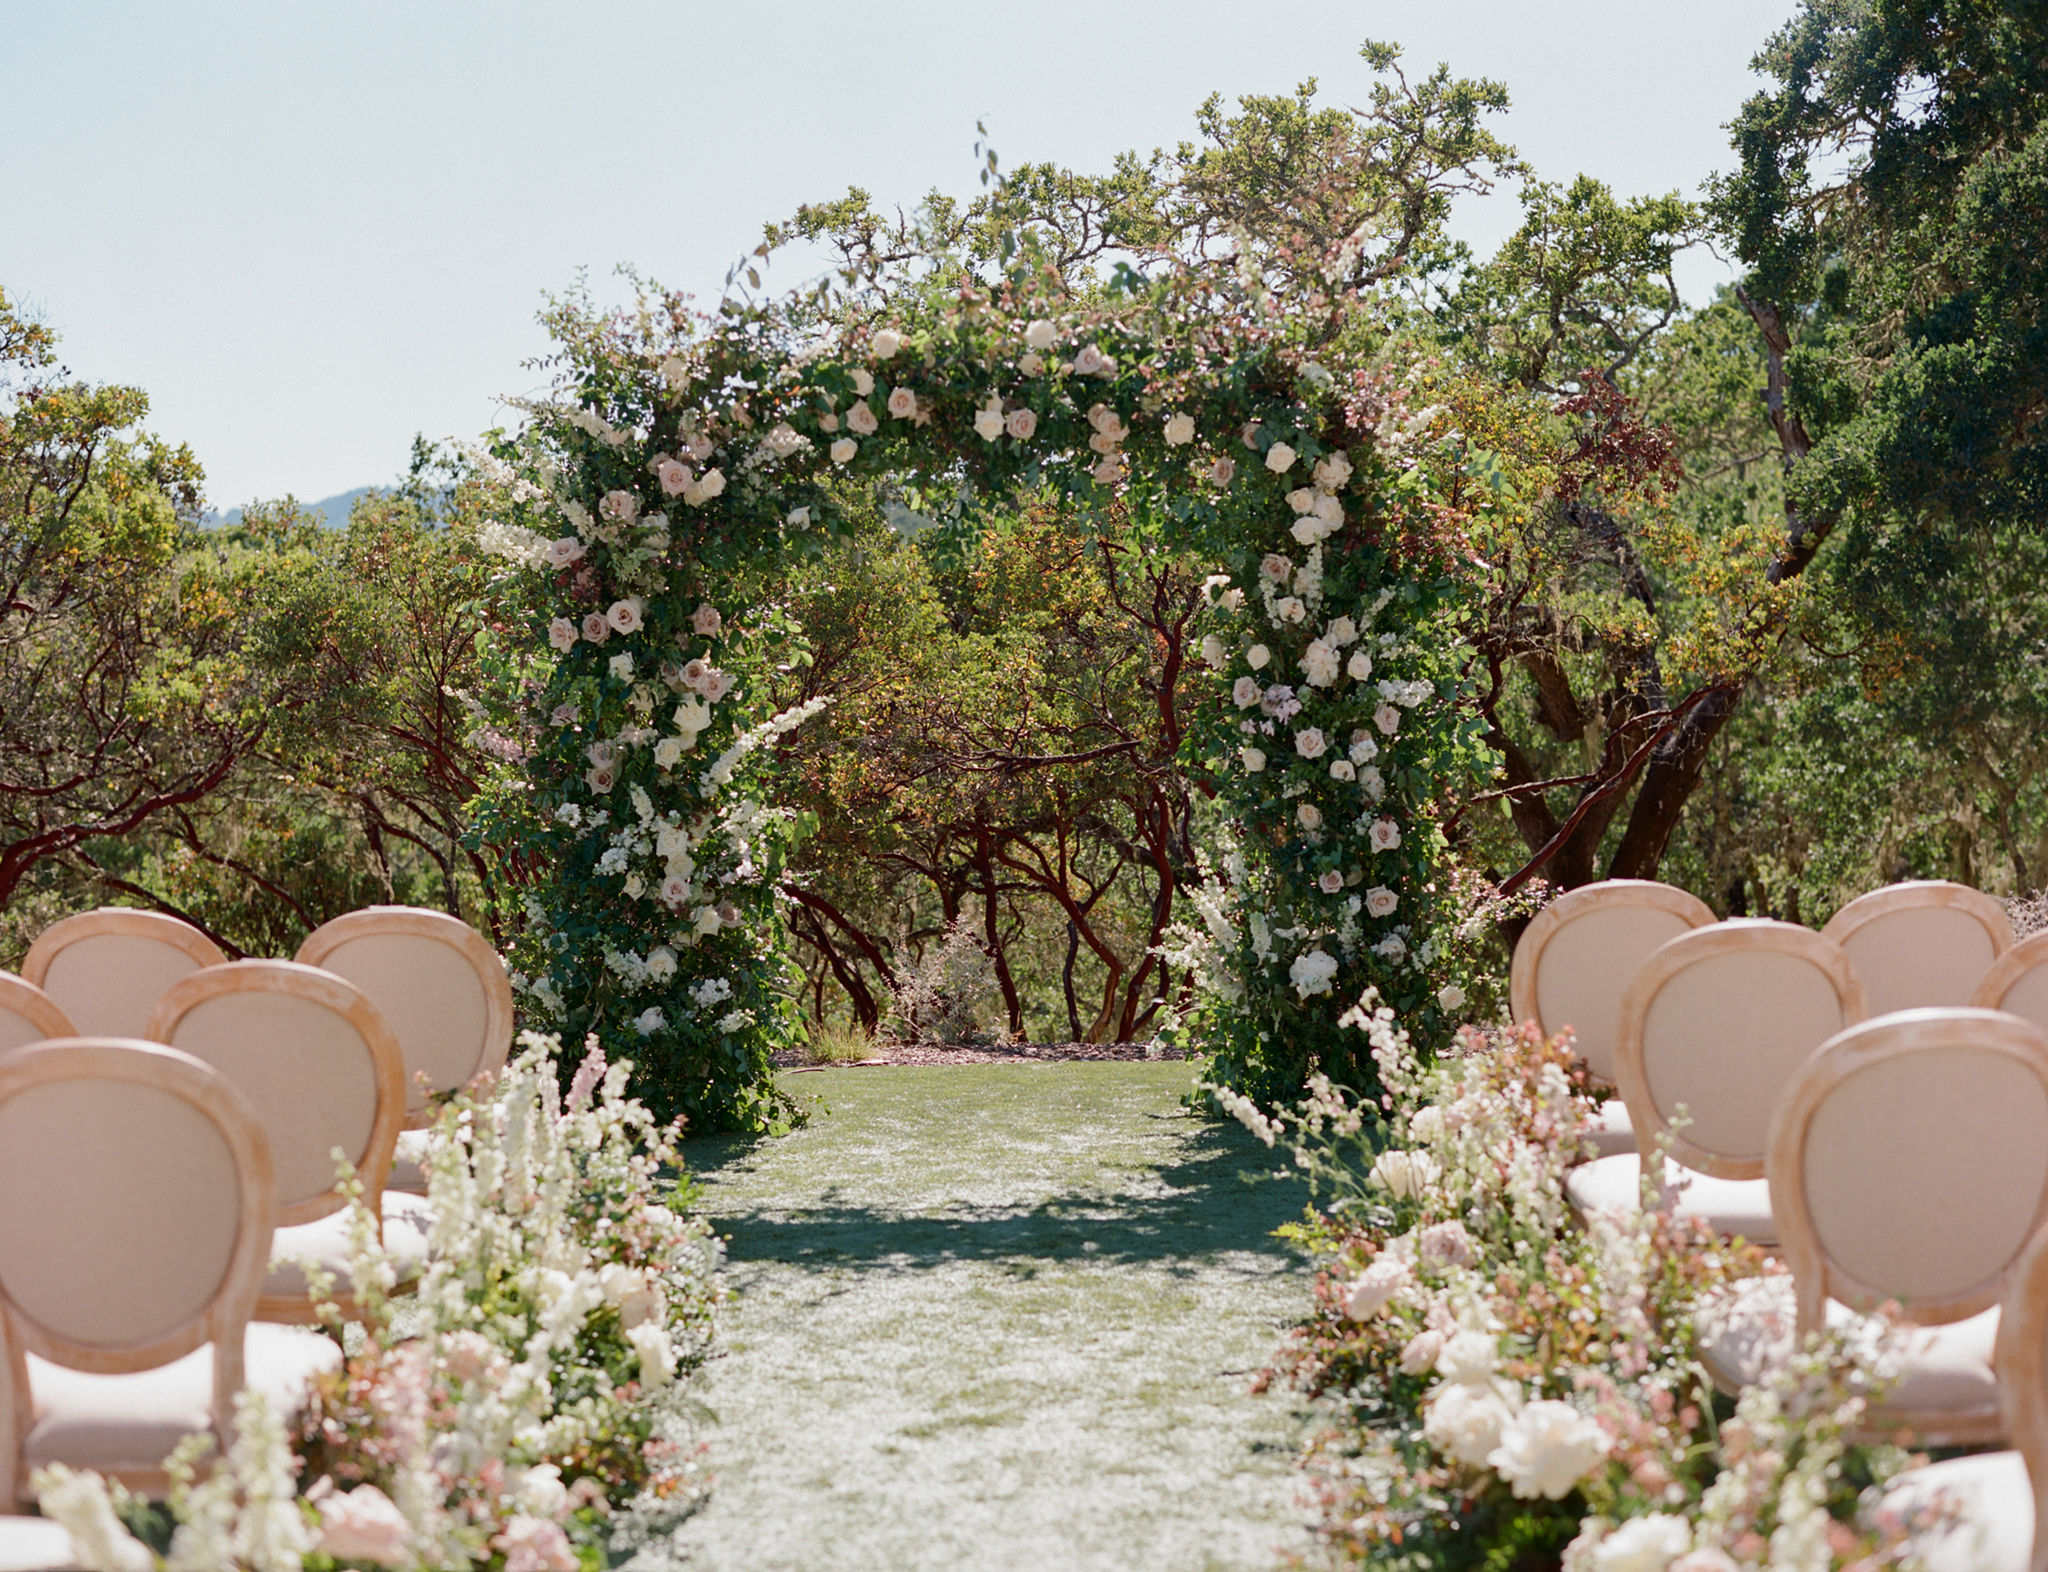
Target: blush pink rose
[(706, 621), (363, 1525), (621, 505), (1021, 424), (595, 628), (533, 1544), (675, 478), (902, 403)]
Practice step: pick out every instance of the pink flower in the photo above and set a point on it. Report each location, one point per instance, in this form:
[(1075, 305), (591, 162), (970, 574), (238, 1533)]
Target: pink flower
[(1379, 900), (363, 1525), (717, 685), (1244, 693), (706, 620), (1090, 361), (1221, 471), (595, 628), (675, 477), (1386, 835), (696, 674), (621, 505), (902, 403), (862, 419), (1021, 423), (1330, 883), (564, 552), (675, 890), (601, 778), (1276, 567), (624, 615), (562, 634), (533, 1544)]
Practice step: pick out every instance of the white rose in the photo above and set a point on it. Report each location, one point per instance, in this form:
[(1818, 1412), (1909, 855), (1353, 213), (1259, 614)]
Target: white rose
[(1180, 430), (1450, 998), (902, 403), (1420, 1353), (1311, 973), (657, 1354), (1290, 608), (1403, 1174), (1309, 816), (1469, 1357), (988, 423), (706, 620), (1306, 532), (1381, 901), (1376, 1287), (1331, 882), (1213, 651), (1279, 458), (1342, 632), (1386, 835), (622, 667), (863, 382), (886, 343), (595, 629), (1371, 783), (1089, 361), (1342, 770), (563, 552), (1040, 335), (649, 1021), (1309, 742), (1465, 1422), (667, 752), (624, 615), (1254, 759), (1031, 364), (1547, 1449), (1244, 692), (861, 419), (1387, 718), (1257, 656), (1021, 424), (1221, 472), (1360, 666), (1301, 499), (1320, 662), (562, 634), (843, 450), (1332, 471), (1643, 1544), (661, 963)]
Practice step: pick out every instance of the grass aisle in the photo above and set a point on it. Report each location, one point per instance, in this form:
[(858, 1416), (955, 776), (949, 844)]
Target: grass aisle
[(999, 1316)]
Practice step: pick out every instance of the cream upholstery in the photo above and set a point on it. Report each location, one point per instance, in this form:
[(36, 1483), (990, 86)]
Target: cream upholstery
[(1611, 1130), (1577, 956), (1945, 1370), (325, 1242), (28, 1015), (1735, 1207), (136, 1202), (1921, 944), (106, 969), (436, 981), (106, 1421), (32, 1544), (2018, 982), (1979, 1512)]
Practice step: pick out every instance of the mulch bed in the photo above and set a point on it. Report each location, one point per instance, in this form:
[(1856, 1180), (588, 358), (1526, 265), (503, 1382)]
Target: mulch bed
[(1016, 1053)]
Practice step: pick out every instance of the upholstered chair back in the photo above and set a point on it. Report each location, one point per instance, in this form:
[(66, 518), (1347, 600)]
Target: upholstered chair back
[(1714, 1026), (28, 1015), (1579, 954), (1921, 944), (438, 984), (107, 969)]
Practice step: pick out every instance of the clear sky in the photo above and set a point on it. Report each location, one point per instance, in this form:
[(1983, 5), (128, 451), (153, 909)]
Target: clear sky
[(310, 231)]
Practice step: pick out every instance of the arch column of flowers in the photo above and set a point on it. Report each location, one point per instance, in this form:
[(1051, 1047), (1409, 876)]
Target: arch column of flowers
[(682, 453)]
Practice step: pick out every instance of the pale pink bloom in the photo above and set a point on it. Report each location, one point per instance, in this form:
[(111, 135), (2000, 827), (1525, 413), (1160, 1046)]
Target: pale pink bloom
[(1280, 458), (1221, 471), (1031, 363), (562, 634), (470, 1355), (1387, 718), (1331, 882), (675, 477), (563, 715), (363, 1525), (1040, 335), (1290, 608), (621, 505), (1386, 835), (601, 778), (595, 628), (1109, 471), (1448, 1243), (1257, 656), (1253, 759), (701, 447), (1021, 424), (709, 484), (564, 552), (1310, 816), (533, 1544), (988, 422), (718, 685), (843, 450), (1244, 692), (1180, 430), (902, 403), (696, 673), (886, 343), (862, 419), (624, 615), (1089, 361), (675, 890), (863, 382), (706, 620), (1381, 901), (728, 913), (1310, 743), (1276, 567)]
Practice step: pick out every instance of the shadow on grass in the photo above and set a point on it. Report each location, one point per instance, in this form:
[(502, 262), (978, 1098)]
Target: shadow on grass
[(1205, 1209)]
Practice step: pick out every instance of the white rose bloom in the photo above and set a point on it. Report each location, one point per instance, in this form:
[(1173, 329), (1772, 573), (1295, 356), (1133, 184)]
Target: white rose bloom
[(1254, 760), (1387, 718), (1332, 470), (1331, 512), (1360, 666), (886, 343), (1021, 423), (782, 439), (1280, 458), (1386, 835), (709, 484), (902, 403), (1213, 651), (625, 615), (1031, 363), (1547, 1449), (661, 963), (800, 518), (1301, 499), (1403, 1174), (863, 383), (1393, 947), (1342, 632), (667, 752), (657, 1354), (1465, 1422), (1331, 882), (988, 423), (622, 667), (563, 552), (1642, 1544), (562, 634), (1420, 1353), (1244, 692), (1311, 973), (862, 420), (1306, 532), (1381, 901), (1257, 656), (1371, 782), (1342, 770), (1376, 1287), (1450, 998), (1363, 749), (843, 450), (1320, 662), (1180, 430), (1089, 361), (1040, 335), (1291, 609), (1309, 816), (1469, 1357), (649, 1021), (1309, 742)]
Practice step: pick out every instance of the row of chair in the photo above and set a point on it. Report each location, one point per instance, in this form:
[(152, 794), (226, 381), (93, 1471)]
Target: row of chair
[(168, 1120), (1871, 1100)]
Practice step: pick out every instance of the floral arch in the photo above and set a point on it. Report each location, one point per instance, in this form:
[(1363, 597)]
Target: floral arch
[(684, 452)]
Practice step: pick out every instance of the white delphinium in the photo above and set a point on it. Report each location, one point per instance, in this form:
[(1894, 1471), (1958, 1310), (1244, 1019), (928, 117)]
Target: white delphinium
[(82, 1503)]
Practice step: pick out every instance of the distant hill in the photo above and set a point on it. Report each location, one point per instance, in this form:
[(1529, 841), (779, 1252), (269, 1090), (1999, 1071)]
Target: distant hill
[(333, 511)]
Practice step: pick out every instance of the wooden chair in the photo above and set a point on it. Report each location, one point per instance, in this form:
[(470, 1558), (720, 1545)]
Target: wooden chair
[(1909, 1165), (444, 992), (1921, 944), (319, 1066), (28, 1015), (1989, 1512), (136, 1200), (2017, 982), (1576, 959), (1716, 1023), (106, 969)]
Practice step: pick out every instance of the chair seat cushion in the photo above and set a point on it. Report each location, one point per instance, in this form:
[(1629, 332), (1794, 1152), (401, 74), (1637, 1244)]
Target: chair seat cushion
[(409, 1163), (1749, 1332), (34, 1544), (135, 1421), (1728, 1206), (1611, 1130), (324, 1241), (1980, 1513)]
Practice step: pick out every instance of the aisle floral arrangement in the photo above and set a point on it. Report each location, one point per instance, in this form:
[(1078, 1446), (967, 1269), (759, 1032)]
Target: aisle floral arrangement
[(525, 1409), (1499, 1386)]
